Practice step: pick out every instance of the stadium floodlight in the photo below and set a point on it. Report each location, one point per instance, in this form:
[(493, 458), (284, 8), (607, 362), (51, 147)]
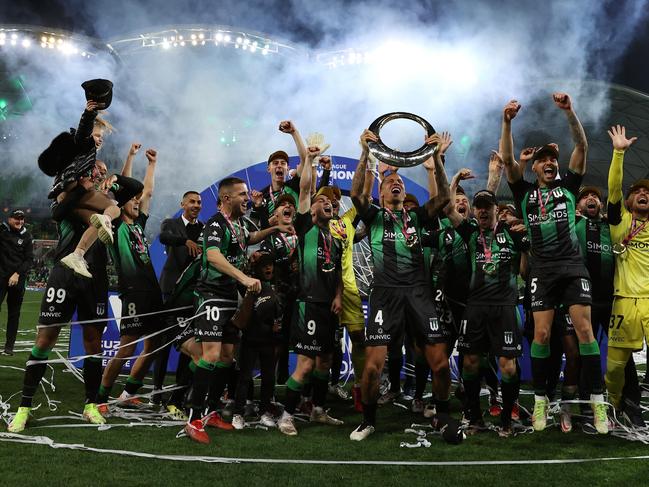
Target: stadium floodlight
[(227, 38), (26, 42), (218, 37)]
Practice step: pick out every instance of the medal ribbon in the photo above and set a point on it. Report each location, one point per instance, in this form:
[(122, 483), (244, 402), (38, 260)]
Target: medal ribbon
[(239, 236), (634, 231), (404, 222), (543, 203), (326, 246), (290, 246), (487, 246)]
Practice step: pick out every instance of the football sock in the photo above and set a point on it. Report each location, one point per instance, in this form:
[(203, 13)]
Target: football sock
[(320, 381), (33, 375), (615, 364), (293, 395), (422, 370), (218, 381), (509, 389), (369, 413), (132, 385), (202, 377), (91, 378), (472, 389), (591, 366), (103, 393), (539, 354)]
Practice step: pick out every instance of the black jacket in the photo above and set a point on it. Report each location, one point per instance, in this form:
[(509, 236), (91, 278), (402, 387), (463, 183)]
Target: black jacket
[(173, 234), (16, 251)]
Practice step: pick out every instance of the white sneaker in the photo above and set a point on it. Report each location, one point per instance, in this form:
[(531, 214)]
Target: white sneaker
[(319, 415), (286, 425), (238, 422), (77, 263), (268, 420), (388, 397), (104, 227), (429, 410), (339, 391), (363, 431), (417, 406), (565, 418)]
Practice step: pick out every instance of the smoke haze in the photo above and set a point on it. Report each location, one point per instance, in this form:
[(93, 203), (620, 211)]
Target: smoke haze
[(213, 110)]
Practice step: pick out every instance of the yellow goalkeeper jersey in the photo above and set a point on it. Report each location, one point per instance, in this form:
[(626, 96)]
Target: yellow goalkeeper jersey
[(343, 229), (631, 267)]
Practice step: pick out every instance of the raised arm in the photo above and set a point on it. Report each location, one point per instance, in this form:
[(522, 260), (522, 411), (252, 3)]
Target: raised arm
[(512, 169), (578, 156), (127, 170), (616, 171), (288, 127), (437, 180), (496, 166), (149, 180), (363, 181), (525, 157), (450, 210), (305, 181)]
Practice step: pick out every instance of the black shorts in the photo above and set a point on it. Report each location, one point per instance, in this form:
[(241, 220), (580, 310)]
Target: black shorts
[(313, 331), (137, 303), (562, 322), (214, 312), (65, 292), (493, 329), (394, 309), (185, 330), (563, 285)]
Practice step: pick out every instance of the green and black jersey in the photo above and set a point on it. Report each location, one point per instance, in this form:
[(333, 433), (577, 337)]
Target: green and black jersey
[(291, 187), (316, 285), (130, 253), (395, 263), (597, 250), (499, 288), (451, 268), (551, 232), (69, 232), (283, 249), (218, 234), (183, 291)]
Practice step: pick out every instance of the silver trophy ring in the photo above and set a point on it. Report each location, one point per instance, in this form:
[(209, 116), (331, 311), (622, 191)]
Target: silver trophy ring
[(393, 157)]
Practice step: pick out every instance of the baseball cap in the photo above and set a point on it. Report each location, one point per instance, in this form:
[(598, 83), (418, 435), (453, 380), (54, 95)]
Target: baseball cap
[(507, 206), (640, 183), (99, 90), (484, 197), (278, 154), (264, 258), (285, 198), (584, 190), (17, 214), (544, 150), (331, 192), (412, 198)]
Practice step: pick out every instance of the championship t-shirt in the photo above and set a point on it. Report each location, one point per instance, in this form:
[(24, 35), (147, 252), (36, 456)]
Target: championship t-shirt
[(597, 250)]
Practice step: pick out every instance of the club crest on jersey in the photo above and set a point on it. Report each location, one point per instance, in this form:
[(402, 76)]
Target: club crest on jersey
[(557, 192), (500, 238), (509, 337), (101, 309), (434, 325), (585, 285)]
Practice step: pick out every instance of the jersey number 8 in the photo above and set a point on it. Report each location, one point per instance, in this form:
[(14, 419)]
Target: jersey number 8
[(52, 293)]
